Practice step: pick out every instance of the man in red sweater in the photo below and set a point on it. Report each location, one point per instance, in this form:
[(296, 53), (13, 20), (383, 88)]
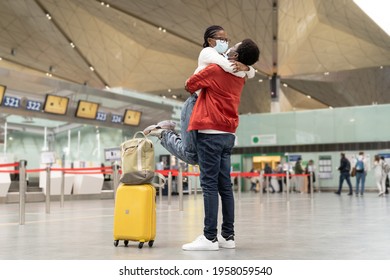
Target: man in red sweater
[(215, 116)]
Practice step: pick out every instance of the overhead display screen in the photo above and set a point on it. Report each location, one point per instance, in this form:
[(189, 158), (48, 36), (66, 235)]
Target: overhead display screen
[(132, 117), (56, 104), (2, 92), (87, 110)]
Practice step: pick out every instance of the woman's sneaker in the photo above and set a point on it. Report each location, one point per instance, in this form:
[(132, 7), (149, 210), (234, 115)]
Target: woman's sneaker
[(158, 128), (227, 243), (201, 243)]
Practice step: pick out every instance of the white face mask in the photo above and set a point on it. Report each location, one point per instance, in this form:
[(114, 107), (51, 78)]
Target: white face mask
[(220, 46), (360, 157)]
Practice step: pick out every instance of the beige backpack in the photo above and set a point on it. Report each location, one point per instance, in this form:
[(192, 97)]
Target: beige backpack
[(138, 164)]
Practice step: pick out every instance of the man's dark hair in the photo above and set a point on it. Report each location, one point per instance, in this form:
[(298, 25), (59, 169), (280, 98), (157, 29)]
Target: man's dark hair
[(248, 52), (210, 33)]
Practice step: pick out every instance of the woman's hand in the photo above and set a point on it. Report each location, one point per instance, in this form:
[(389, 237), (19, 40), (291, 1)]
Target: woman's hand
[(238, 66)]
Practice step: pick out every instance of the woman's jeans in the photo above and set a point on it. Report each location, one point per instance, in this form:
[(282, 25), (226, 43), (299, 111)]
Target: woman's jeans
[(184, 146)]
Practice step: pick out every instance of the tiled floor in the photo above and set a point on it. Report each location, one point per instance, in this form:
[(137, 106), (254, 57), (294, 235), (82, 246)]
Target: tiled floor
[(327, 227)]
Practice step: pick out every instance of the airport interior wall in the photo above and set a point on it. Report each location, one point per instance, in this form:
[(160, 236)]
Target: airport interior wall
[(339, 125)]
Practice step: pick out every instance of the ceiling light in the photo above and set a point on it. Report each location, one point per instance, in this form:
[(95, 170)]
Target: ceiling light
[(308, 96), (174, 96), (107, 87), (72, 45), (102, 3), (381, 67), (169, 90), (1, 58), (285, 85), (377, 10), (260, 80), (48, 16), (330, 107), (326, 73), (92, 69), (108, 5)]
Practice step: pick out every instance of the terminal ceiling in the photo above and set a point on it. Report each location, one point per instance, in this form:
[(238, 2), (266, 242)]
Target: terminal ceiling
[(326, 49)]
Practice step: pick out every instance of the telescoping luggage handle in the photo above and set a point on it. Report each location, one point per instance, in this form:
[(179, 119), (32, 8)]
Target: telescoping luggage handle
[(159, 176)]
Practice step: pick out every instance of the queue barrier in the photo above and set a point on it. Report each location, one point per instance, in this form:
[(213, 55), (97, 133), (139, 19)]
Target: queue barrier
[(115, 170)]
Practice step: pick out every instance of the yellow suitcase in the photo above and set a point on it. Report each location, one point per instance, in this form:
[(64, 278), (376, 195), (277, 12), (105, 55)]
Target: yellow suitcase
[(135, 214)]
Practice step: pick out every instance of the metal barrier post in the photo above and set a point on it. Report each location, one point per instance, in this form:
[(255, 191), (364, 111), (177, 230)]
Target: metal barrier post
[(160, 190), (239, 186), (267, 182), (288, 185), (169, 187), (115, 179), (48, 191), (180, 188), (22, 191), (196, 186), (62, 188), (311, 185)]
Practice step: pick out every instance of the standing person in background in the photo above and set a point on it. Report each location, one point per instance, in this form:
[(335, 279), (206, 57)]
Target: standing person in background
[(380, 175), (280, 172), (268, 179), (345, 169), (361, 167), (312, 176), (298, 170), (255, 180)]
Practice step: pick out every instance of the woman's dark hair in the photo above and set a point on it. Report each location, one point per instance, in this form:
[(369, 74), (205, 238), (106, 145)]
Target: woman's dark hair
[(248, 52), (209, 33)]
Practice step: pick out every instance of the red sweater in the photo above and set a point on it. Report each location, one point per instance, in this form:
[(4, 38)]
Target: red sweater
[(217, 104)]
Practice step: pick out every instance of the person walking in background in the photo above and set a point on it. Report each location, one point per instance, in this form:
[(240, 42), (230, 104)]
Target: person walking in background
[(361, 168), (380, 175), (345, 169)]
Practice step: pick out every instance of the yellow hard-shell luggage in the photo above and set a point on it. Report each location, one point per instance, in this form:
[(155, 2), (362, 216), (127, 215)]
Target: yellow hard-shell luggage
[(135, 214)]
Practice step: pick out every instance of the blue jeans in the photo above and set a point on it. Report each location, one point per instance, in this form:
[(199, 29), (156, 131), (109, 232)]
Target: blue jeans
[(360, 178), (183, 146), (214, 151), (345, 176)]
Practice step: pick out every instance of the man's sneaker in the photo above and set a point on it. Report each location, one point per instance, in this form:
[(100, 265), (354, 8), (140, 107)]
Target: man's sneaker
[(201, 243), (227, 243), (167, 124)]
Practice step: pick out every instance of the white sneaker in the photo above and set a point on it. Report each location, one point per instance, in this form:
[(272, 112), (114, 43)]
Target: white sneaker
[(168, 124), (201, 243), (227, 243)]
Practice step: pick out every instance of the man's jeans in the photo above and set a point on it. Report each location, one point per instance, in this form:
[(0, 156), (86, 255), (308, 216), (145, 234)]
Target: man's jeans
[(360, 178), (345, 176), (214, 152), (184, 146)]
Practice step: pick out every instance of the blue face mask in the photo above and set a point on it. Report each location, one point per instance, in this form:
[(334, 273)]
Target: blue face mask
[(220, 46)]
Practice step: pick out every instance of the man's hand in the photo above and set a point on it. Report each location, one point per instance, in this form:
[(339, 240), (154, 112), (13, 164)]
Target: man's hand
[(238, 66)]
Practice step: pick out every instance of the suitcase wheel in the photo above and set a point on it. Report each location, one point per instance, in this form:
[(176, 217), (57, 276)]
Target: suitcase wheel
[(140, 245), (126, 242), (116, 242), (150, 243)]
